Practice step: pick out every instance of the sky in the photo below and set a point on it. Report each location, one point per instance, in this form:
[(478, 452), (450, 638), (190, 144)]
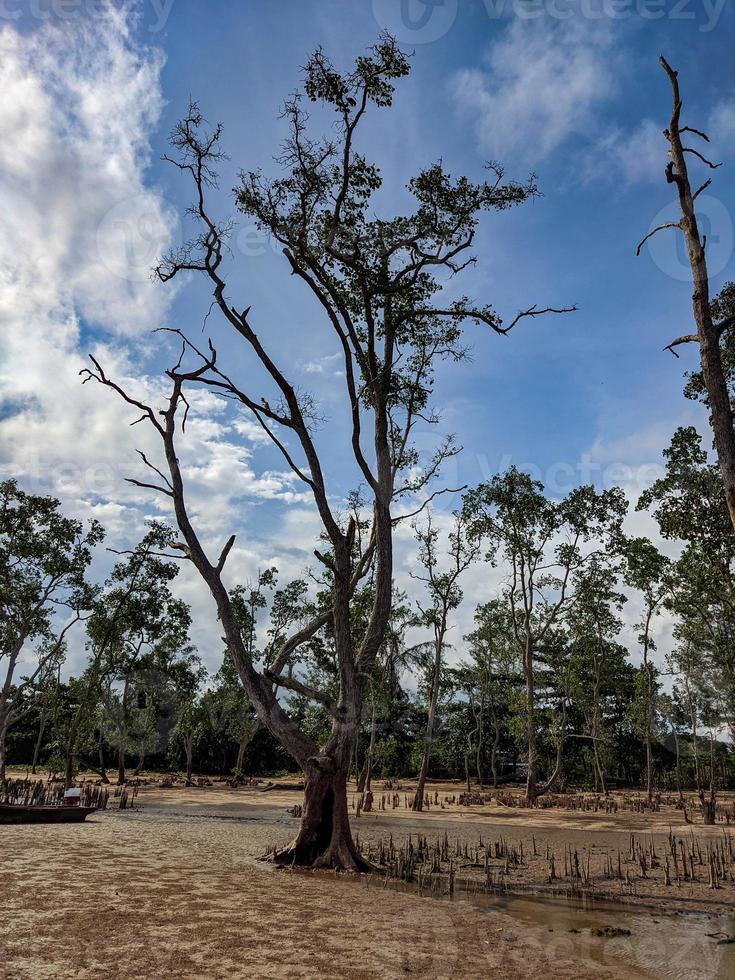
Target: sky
[(570, 90)]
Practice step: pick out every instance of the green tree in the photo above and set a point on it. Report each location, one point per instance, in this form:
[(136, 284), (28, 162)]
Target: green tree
[(647, 571), (544, 543), (44, 558), (376, 282), (492, 672), (443, 597)]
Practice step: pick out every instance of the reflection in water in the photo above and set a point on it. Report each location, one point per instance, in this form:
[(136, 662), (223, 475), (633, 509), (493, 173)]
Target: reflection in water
[(660, 944)]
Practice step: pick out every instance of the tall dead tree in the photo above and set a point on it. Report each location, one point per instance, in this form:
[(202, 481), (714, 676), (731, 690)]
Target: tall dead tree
[(709, 333), (375, 282)]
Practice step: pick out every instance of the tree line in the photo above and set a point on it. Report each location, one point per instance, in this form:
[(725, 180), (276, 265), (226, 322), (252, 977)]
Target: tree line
[(543, 688)]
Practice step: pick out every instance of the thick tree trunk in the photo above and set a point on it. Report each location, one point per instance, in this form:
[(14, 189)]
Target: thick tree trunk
[(324, 839), (139, 767), (120, 767)]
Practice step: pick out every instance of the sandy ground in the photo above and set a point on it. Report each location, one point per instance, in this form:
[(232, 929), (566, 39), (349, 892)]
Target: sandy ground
[(176, 889)]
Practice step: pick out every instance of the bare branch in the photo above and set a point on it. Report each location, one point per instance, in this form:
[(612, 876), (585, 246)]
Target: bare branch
[(533, 312), (225, 552), (697, 132), (148, 486), (668, 224), (436, 493), (688, 339), (712, 166), (704, 186)]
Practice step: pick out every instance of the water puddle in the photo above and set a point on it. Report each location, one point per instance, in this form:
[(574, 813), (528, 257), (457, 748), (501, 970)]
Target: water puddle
[(638, 942)]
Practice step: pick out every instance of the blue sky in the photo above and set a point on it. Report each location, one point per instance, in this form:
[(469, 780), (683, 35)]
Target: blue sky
[(548, 392), (580, 100)]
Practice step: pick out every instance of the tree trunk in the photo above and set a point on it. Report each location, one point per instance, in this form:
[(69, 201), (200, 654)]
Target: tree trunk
[(678, 765), (418, 800), (695, 739), (243, 745), (69, 773), (532, 774), (649, 767), (39, 742), (366, 774), (120, 767), (189, 750), (103, 771), (324, 839), (3, 731), (599, 774), (649, 707), (139, 767), (494, 751), (709, 806)]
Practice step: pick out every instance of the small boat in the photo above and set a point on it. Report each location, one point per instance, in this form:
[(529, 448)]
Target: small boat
[(16, 813)]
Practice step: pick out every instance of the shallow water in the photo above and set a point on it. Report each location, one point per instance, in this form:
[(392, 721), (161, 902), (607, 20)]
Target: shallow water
[(660, 945)]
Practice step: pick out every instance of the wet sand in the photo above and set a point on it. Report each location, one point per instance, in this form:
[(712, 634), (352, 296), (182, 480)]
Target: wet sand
[(176, 889)]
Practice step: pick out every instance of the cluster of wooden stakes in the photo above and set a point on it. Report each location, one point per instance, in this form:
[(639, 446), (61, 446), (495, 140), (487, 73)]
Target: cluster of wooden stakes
[(491, 866)]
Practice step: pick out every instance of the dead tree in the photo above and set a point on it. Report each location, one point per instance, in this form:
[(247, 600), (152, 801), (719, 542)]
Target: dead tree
[(709, 333), (375, 282)]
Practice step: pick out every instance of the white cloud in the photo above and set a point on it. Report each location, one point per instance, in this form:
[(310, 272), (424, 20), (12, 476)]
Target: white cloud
[(634, 156), (81, 228), (541, 86), (78, 107), (721, 128), (322, 365)]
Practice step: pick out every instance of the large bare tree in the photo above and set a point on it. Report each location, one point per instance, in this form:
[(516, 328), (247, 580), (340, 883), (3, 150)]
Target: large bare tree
[(376, 282), (709, 331)]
